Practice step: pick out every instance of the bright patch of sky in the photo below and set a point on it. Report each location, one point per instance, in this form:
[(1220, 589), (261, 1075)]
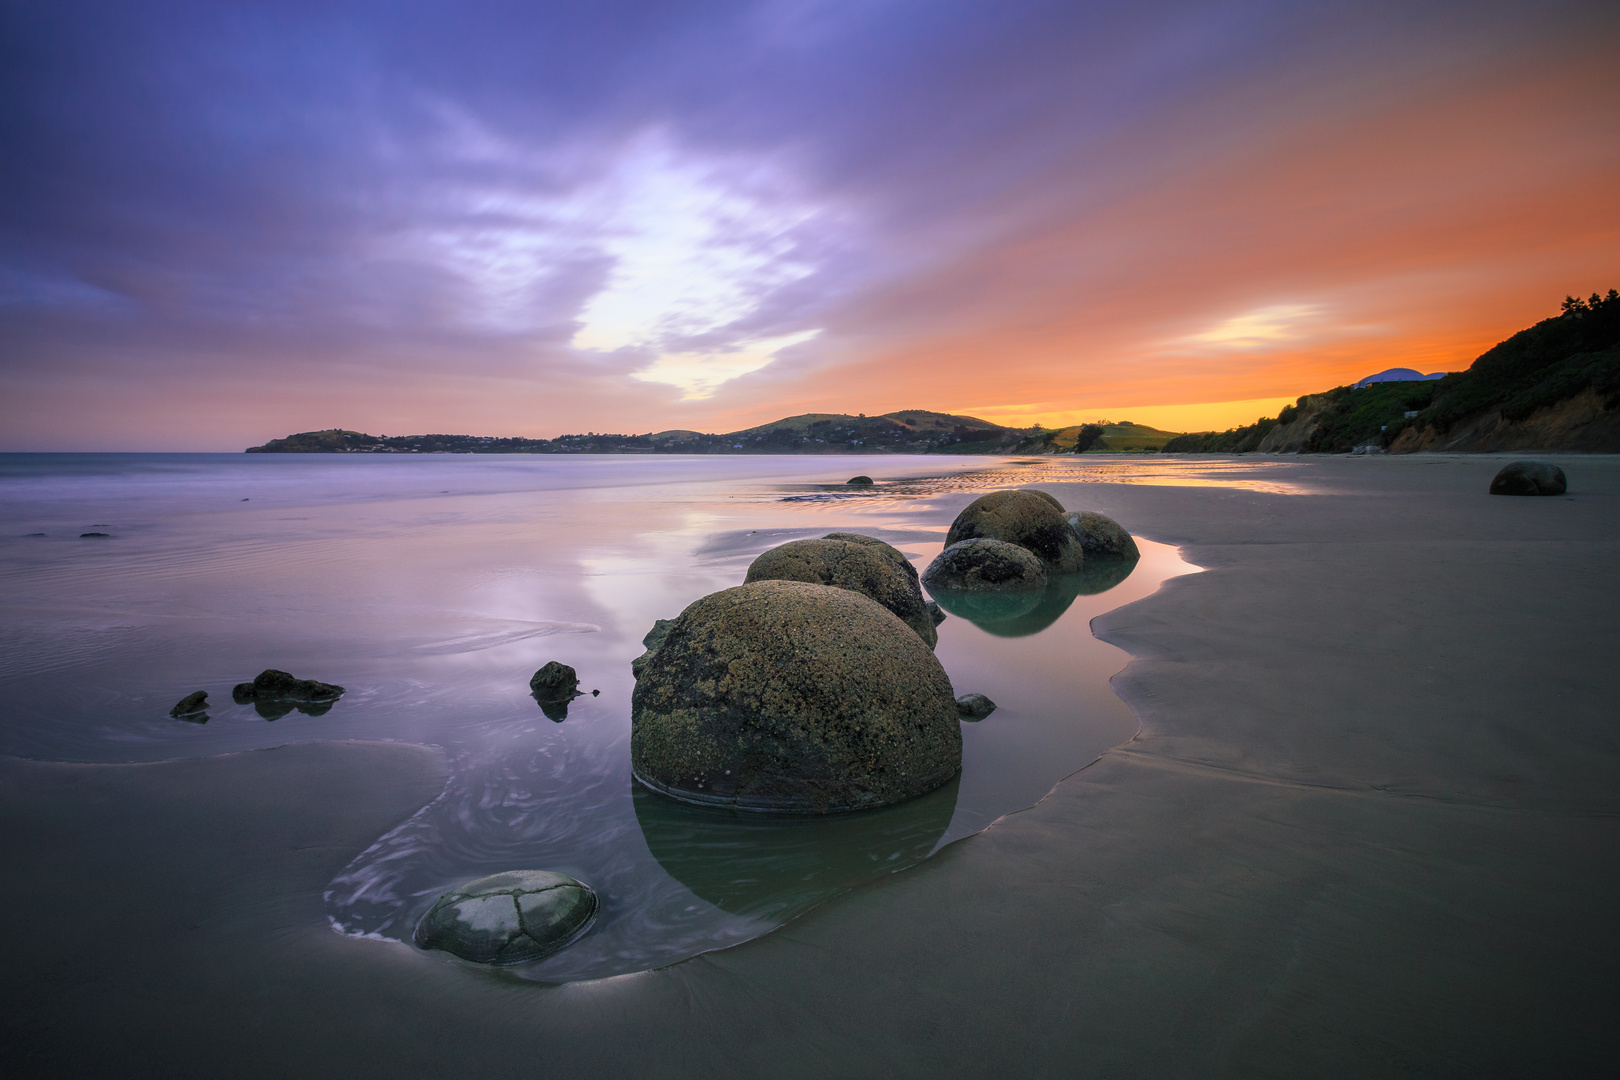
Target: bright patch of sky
[(691, 249), (1257, 329)]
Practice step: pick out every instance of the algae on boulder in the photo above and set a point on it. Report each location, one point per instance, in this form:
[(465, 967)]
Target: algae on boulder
[(865, 565), (985, 566), (1031, 519), (793, 697), (1102, 537), (509, 918)]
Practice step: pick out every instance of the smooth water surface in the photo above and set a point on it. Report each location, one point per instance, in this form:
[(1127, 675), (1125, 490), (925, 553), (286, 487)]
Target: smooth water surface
[(433, 588)]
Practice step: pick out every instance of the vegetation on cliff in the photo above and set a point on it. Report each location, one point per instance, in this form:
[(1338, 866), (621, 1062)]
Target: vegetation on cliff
[(1571, 358)]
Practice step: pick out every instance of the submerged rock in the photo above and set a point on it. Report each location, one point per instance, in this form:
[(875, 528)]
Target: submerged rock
[(654, 638), (859, 481), (974, 706), (985, 566), (794, 697), (511, 918), (191, 704), (865, 565), (1032, 520), (1529, 478), (1102, 537)]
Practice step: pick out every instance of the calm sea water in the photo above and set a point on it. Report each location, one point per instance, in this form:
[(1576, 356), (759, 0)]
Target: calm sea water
[(432, 588)]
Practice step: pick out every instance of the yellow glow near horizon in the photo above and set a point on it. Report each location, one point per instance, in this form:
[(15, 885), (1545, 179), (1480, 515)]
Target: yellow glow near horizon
[(1210, 416)]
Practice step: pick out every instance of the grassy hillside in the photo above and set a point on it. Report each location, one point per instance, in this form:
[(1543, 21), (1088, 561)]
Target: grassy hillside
[(1573, 356)]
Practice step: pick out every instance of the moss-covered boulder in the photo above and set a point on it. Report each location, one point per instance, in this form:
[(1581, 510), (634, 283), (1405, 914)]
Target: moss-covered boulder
[(985, 566), (864, 565), (793, 697), (1529, 478), (1102, 537), (512, 918), (1031, 519)]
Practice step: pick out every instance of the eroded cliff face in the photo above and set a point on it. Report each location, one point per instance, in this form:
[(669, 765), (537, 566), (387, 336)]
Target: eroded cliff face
[(1579, 423), (1290, 438)]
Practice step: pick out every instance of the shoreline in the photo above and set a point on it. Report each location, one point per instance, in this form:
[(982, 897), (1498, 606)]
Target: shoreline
[(1350, 837)]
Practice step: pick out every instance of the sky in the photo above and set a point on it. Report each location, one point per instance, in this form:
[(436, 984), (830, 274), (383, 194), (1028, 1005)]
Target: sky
[(221, 223)]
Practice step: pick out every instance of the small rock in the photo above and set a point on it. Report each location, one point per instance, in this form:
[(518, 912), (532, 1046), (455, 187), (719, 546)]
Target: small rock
[(94, 535), (985, 565), (273, 685), (512, 918), (1102, 537), (554, 682), (192, 703), (1529, 478), (859, 481), (974, 706), (936, 612), (1033, 520)]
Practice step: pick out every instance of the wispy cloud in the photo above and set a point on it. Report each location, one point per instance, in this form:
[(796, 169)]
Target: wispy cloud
[(699, 374), (1257, 329)]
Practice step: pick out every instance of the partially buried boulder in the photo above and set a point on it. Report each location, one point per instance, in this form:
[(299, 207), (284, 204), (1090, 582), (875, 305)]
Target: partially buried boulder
[(1529, 478), (512, 918), (985, 566), (793, 697), (190, 705), (1033, 520), (1102, 537), (859, 481), (974, 706), (865, 565)]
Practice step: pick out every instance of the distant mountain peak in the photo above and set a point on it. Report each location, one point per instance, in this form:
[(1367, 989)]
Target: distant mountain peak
[(1399, 374)]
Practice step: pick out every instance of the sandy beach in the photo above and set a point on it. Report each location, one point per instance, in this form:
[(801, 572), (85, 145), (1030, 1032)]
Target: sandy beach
[(1369, 827)]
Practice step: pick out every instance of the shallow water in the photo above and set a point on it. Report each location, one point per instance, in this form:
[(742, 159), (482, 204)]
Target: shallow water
[(432, 588)]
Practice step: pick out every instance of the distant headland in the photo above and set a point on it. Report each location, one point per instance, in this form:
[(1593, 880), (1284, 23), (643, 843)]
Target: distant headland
[(1554, 386), (909, 431)]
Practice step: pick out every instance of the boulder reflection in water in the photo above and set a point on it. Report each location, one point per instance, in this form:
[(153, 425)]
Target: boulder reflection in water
[(776, 867), (1023, 614)]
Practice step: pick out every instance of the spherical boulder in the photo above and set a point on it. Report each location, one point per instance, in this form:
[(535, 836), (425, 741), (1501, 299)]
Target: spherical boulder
[(1031, 519), (867, 566), (1529, 478), (985, 566), (793, 697), (1102, 537), (511, 918)]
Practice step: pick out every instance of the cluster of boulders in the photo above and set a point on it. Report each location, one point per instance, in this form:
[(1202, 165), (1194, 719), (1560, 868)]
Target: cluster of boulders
[(811, 688), (273, 694)]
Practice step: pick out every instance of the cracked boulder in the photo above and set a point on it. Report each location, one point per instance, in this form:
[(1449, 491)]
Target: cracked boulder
[(1102, 537), (512, 918), (1032, 520), (862, 564), (794, 697)]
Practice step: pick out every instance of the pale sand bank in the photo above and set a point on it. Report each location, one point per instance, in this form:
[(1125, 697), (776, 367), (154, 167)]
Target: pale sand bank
[(1371, 828)]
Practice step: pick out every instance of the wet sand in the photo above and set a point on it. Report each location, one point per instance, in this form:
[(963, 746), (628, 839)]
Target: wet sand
[(1370, 827)]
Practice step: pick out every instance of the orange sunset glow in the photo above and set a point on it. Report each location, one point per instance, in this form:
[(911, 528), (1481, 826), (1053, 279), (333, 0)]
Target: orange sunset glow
[(1184, 222)]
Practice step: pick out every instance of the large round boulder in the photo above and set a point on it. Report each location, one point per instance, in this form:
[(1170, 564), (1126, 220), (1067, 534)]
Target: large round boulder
[(1102, 537), (1031, 519), (511, 918), (864, 565), (793, 697), (1529, 478), (985, 566)]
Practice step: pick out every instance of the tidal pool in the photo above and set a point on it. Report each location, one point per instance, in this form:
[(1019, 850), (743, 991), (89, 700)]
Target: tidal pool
[(433, 588)]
